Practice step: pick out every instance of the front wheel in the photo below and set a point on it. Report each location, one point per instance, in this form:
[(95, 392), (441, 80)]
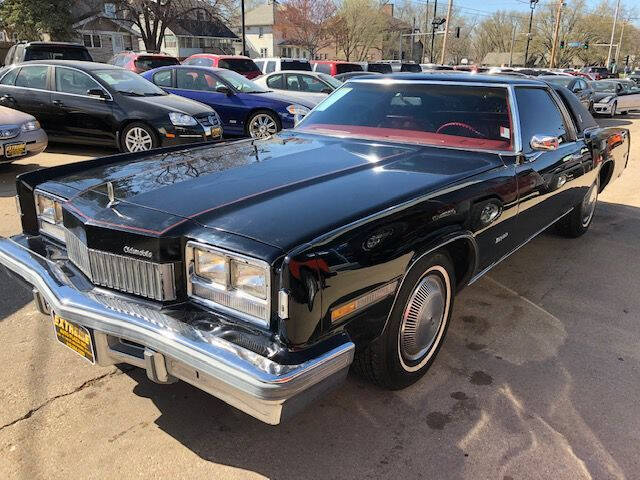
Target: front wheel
[(577, 222), (262, 124), (613, 110), (416, 327), (138, 137)]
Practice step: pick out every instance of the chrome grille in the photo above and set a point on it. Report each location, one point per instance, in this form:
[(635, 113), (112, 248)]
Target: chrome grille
[(9, 131), (127, 274)]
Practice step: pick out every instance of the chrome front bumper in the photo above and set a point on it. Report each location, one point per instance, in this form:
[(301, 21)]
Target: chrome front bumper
[(128, 331)]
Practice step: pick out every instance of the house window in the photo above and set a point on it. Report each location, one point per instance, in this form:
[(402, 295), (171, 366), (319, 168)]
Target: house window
[(264, 52), (260, 32), (297, 52), (200, 14), (110, 10), (92, 41), (1, 36), (185, 42), (201, 42), (170, 41)]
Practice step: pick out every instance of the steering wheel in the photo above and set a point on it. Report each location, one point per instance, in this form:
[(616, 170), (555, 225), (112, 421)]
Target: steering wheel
[(461, 125)]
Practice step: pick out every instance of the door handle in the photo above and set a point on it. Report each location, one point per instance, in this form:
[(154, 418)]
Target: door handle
[(57, 103)]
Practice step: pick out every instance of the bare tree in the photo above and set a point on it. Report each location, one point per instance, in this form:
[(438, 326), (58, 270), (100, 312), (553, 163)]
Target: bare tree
[(307, 22), (154, 17), (358, 27)]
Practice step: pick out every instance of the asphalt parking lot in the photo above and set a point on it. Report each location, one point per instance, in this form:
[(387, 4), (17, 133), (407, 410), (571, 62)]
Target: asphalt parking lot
[(538, 378)]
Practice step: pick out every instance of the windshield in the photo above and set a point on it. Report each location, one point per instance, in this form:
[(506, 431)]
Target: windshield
[(241, 65), (330, 80), (52, 52), (446, 115), (240, 83), (128, 83), (604, 86), (295, 65), (559, 80), (148, 63), (348, 67)]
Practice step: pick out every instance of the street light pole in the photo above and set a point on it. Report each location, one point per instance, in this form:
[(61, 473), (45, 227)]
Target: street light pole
[(532, 4), (613, 32)]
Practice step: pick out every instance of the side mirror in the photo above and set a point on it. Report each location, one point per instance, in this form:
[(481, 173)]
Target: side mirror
[(96, 92), (224, 89), (576, 89), (326, 90), (544, 142)]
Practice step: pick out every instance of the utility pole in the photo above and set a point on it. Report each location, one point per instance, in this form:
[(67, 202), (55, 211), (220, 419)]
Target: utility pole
[(433, 29), (426, 29), (532, 5), (413, 30), (513, 41), (244, 41), (620, 42), (554, 46), (446, 33), (613, 31), (400, 45)]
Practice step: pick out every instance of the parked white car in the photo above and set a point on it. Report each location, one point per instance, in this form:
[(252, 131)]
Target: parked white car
[(278, 64), (313, 86)]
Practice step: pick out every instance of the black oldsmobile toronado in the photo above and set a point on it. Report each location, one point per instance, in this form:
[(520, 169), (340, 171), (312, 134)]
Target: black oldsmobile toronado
[(260, 270)]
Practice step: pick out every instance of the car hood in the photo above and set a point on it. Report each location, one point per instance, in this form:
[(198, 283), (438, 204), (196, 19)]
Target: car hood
[(174, 103), (9, 116), (281, 191), (597, 96)]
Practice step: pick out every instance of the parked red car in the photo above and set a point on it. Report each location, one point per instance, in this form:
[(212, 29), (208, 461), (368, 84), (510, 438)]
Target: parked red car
[(334, 67), (238, 63), (142, 61)]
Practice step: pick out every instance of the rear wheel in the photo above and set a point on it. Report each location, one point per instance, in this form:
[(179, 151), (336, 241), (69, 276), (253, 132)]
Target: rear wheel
[(138, 137), (416, 328), (579, 220)]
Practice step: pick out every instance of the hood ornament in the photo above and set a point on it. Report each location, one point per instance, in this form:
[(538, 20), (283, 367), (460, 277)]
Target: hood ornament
[(111, 195)]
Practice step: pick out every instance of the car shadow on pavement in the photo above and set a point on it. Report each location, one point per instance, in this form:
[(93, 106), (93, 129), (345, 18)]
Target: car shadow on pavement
[(522, 376), (16, 295)]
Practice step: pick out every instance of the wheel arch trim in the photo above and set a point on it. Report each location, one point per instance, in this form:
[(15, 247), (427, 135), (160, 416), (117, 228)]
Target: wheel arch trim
[(429, 249)]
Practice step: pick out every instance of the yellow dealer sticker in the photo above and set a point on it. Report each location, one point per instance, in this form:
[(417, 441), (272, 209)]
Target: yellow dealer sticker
[(76, 337)]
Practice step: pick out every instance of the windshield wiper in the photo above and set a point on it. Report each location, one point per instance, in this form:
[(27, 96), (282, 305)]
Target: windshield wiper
[(130, 93)]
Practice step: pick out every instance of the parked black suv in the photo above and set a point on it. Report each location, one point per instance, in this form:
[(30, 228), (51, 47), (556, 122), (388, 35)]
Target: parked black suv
[(25, 51)]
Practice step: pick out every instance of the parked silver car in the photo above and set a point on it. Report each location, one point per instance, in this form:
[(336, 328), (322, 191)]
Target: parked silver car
[(20, 135)]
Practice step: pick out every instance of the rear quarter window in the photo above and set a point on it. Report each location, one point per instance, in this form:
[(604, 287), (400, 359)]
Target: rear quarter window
[(323, 68)]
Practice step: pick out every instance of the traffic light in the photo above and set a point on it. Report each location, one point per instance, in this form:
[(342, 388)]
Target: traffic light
[(561, 43), (457, 32), (586, 45)]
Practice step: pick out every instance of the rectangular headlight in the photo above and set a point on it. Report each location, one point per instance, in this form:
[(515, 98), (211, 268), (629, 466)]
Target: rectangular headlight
[(230, 282), (49, 211)]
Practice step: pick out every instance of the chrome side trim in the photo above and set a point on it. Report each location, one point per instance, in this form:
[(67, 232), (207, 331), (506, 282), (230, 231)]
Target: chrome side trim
[(246, 380), (481, 273)]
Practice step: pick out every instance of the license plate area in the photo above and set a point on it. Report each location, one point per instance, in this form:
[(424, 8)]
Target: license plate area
[(12, 150), (74, 336)]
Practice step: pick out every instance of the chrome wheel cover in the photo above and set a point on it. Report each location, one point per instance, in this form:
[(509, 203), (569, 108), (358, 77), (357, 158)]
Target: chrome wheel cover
[(424, 319), (262, 126), (138, 139), (589, 204)]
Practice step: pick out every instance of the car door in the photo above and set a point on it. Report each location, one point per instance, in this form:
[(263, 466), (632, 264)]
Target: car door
[(82, 117), (550, 181), (28, 91)]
